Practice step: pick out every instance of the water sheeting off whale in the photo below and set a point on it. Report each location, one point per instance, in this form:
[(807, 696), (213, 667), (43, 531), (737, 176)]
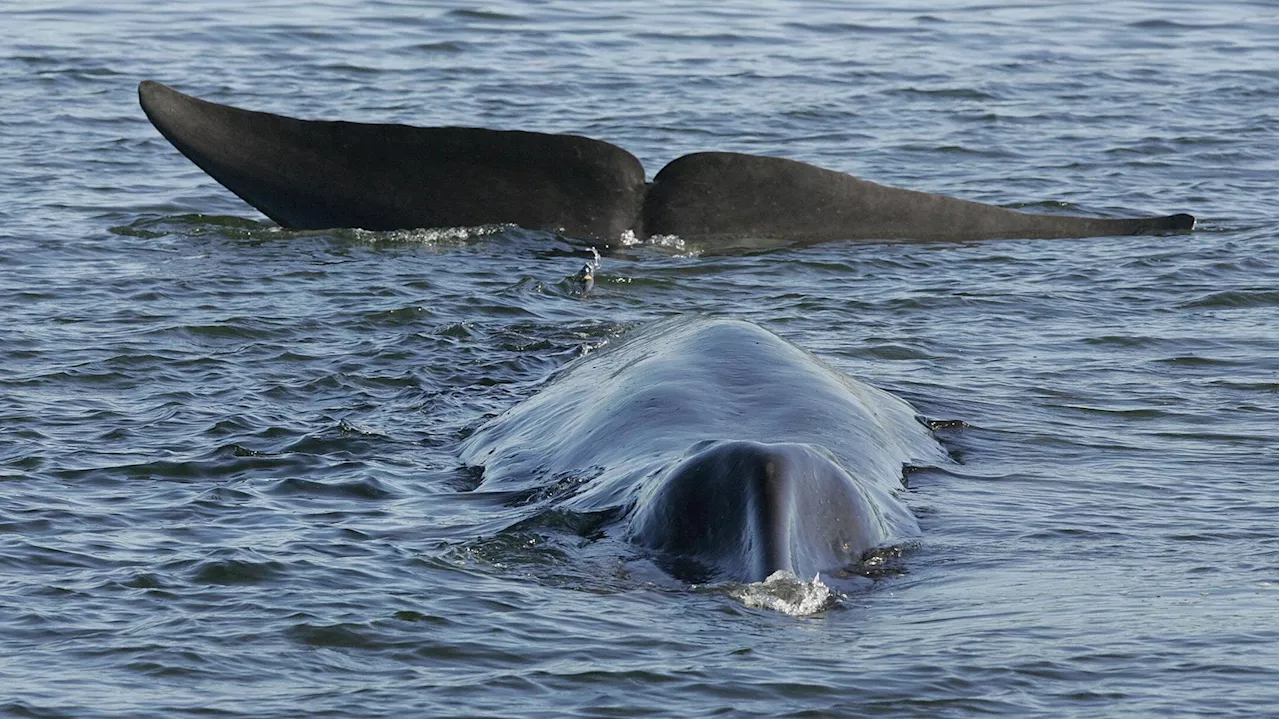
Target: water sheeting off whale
[(730, 453), (307, 174)]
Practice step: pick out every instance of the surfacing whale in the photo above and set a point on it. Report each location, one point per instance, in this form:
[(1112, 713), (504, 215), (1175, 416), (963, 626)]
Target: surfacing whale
[(308, 174), (728, 453)]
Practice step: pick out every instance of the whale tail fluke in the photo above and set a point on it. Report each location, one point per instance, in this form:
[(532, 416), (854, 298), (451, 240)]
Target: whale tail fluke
[(1180, 222), (309, 174), (313, 174), (1071, 226), (724, 195)]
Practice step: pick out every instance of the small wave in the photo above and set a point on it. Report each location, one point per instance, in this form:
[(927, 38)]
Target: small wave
[(850, 28), (223, 462), (397, 317), (236, 571), (989, 151), (588, 525), (367, 488), (952, 93), (457, 330), (348, 68), (441, 47), (240, 228), (194, 224), (1235, 299), (707, 38), (784, 592), (484, 15), (342, 636), (1053, 206), (1174, 25), (895, 351), (520, 552)]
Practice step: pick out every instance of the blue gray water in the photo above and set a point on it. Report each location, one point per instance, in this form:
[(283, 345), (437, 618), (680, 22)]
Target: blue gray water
[(229, 453)]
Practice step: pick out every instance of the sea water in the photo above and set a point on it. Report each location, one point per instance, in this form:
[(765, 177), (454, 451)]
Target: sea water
[(229, 471)]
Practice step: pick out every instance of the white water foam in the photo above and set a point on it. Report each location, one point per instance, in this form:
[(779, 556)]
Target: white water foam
[(628, 239), (432, 236), (784, 592)]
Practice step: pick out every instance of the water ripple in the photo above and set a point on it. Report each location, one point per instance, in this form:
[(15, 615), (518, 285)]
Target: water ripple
[(229, 450)]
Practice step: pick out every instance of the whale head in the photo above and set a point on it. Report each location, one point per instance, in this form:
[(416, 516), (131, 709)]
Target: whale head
[(740, 511)]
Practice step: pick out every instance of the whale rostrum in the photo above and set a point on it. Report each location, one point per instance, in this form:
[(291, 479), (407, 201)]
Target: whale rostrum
[(316, 174)]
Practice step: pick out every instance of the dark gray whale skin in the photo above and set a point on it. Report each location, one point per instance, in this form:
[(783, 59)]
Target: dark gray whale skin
[(725, 452), (750, 509), (718, 196), (310, 174), (317, 174)]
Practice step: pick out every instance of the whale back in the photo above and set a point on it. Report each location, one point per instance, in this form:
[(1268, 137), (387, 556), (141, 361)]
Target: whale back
[(685, 380)]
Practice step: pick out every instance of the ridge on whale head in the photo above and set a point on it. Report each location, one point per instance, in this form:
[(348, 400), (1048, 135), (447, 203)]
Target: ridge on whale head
[(723, 451), (749, 509), (319, 174)]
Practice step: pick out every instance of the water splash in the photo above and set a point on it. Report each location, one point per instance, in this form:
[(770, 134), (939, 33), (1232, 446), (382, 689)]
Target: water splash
[(784, 592), (431, 236), (629, 239), (587, 275)]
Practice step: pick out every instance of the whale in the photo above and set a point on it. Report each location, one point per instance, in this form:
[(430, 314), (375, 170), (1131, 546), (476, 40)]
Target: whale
[(725, 452), (323, 174)]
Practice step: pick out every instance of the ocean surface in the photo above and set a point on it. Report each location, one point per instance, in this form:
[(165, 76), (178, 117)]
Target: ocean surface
[(230, 473)]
